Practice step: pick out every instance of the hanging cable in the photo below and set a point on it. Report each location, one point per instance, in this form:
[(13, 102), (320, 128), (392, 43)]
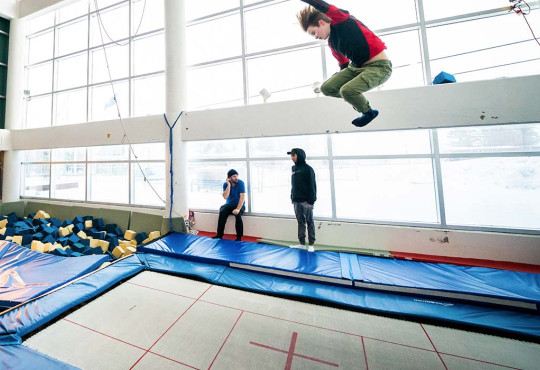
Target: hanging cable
[(102, 26), (518, 8), (125, 137)]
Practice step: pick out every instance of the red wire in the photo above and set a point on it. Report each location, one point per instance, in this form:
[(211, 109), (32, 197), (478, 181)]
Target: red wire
[(538, 42)]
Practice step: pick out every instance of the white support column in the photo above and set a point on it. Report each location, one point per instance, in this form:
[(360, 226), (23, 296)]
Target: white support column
[(14, 106), (175, 82)]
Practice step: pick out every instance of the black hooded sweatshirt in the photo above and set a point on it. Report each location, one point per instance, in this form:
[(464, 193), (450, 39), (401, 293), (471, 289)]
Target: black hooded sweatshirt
[(304, 187)]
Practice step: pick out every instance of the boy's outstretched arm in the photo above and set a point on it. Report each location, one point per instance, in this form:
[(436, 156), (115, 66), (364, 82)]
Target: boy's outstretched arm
[(320, 5)]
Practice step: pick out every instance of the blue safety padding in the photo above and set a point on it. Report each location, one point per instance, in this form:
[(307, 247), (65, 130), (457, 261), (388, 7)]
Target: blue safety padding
[(350, 268), (25, 274), (434, 277), (522, 286), (222, 251), (32, 315), (159, 263), (23, 358), (501, 319)]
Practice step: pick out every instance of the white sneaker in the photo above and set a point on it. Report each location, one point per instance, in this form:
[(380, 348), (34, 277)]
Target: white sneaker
[(298, 246), (311, 249)]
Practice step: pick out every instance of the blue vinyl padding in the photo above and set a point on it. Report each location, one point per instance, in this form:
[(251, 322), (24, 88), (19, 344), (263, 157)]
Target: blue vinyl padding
[(479, 281), (523, 286), (222, 251), (480, 316), (20, 357), (25, 274), (31, 315)]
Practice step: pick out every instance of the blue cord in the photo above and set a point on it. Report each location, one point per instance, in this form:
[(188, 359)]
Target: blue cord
[(171, 166)]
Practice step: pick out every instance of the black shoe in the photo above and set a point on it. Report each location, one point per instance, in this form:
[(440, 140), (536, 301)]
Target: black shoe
[(238, 239), (217, 237), (365, 118)]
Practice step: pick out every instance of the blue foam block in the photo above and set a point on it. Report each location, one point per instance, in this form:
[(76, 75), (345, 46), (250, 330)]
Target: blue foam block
[(87, 218), (66, 222), (140, 237), (443, 78), (98, 222), (110, 228), (27, 239), (55, 222), (48, 239), (12, 217), (10, 231), (78, 220)]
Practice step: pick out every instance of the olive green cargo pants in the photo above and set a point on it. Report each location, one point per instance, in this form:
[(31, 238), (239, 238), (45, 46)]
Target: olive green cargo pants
[(350, 83)]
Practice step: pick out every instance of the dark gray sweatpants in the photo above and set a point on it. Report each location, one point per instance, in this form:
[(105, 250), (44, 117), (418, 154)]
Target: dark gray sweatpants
[(304, 216)]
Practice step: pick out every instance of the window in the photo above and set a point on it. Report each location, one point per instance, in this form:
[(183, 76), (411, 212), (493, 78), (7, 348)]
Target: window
[(261, 45), (66, 64), (110, 174), (485, 178)]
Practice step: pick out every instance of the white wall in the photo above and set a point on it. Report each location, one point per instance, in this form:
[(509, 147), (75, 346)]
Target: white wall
[(8, 9), (139, 130), (500, 101), (29, 7)]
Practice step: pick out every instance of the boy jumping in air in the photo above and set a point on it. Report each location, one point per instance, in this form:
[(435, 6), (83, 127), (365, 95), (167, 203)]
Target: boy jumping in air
[(363, 62)]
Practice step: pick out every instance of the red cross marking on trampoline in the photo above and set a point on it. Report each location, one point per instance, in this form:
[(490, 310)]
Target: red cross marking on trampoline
[(290, 353)]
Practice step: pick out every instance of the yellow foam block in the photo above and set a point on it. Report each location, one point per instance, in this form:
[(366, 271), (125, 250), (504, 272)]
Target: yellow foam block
[(88, 224), (17, 239), (154, 234), (70, 227), (129, 234), (64, 231), (41, 214), (9, 238), (118, 252), (94, 243), (3, 231), (47, 247), (133, 242), (55, 246), (81, 234), (34, 245), (104, 245), (146, 240), (3, 223), (129, 250)]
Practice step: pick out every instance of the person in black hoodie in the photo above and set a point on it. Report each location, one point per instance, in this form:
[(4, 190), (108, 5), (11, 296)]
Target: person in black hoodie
[(303, 196)]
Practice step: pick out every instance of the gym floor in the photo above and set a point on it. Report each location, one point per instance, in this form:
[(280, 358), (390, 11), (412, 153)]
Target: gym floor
[(158, 321)]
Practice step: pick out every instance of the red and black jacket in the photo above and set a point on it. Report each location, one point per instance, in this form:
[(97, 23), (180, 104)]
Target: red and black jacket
[(350, 40)]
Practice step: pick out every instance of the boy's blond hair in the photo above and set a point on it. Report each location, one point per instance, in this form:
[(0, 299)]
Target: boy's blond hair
[(309, 16)]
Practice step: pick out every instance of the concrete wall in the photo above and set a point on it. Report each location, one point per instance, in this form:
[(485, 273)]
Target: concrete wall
[(500, 101)]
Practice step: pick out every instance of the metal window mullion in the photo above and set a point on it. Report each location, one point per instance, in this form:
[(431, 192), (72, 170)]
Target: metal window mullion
[(86, 175), (88, 73), (332, 184), (54, 73), (490, 155), (248, 169), (424, 43), (244, 60), (437, 172), (130, 49)]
